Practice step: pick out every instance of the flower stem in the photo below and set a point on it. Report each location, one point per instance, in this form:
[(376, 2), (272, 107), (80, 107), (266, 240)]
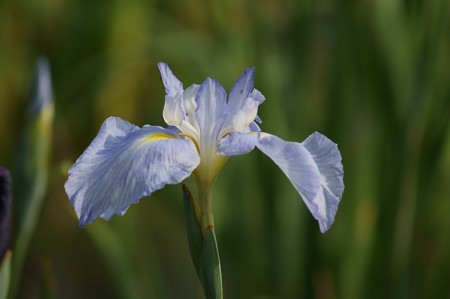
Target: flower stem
[(207, 217), (202, 242)]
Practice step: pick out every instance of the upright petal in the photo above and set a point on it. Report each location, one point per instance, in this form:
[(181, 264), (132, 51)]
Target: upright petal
[(211, 112), (190, 125), (242, 107), (123, 164), (241, 89), (173, 112), (171, 83), (314, 168), (241, 119), (257, 96)]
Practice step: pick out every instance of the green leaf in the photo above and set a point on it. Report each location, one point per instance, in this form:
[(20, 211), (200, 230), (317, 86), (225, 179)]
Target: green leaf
[(194, 231), (210, 271), (30, 173), (5, 273), (203, 248)]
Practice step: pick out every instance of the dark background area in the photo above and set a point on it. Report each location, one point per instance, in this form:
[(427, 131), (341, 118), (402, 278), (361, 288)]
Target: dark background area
[(373, 76)]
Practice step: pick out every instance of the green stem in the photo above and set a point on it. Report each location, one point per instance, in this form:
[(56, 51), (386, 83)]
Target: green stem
[(206, 211), (202, 241)]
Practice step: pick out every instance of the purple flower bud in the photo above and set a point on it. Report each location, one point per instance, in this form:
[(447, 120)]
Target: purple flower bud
[(5, 210)]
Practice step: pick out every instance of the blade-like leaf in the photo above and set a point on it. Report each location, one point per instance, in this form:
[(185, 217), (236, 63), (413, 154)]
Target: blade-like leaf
[(210, 271), (31, 169), (194, 232), (5, 273)]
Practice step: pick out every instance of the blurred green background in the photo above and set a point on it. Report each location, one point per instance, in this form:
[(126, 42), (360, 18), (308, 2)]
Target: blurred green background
[(374, 76)]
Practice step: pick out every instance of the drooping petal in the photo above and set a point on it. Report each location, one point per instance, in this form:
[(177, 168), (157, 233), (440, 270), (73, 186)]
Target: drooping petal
[(328, 158), (237, 144), (211, 112), (314, 168), (124, 163), (252, 127), (173, 112)]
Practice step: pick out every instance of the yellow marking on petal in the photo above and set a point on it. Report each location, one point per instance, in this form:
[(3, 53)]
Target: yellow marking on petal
[(157, 136), (261, 134), (197, 145)]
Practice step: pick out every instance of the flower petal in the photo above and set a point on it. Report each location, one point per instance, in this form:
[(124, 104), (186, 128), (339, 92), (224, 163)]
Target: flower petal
[(314, 168), (173, 112), (241, 89), (257, 96), (124, 163), (328, 158), (171, 83), (242, 104), (190, 125), (241, 119), (211, 112), (237, 144)]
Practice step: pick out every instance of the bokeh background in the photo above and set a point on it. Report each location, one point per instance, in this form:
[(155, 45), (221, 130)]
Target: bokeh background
[(372, 75)]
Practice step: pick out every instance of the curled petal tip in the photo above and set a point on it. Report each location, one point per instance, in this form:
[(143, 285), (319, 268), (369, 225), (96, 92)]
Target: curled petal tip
[(171, 83), (314, 168)]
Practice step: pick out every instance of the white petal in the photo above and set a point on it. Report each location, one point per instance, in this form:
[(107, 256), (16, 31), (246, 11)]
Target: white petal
[(173, 112), (243, 104), (257, 96), (314, 168), (237, 144), (123, 164), (328, 158), (241, 90), (211, 112), (171, 83), (190, 124), (241, 119)]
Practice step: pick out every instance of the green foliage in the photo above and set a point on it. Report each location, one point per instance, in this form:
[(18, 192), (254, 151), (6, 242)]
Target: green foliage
[(371, 75), (5, 275), (203, 248), (30, 172)]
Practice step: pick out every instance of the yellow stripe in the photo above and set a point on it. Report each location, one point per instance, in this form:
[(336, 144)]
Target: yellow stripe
[(261, 134), (157, 136)]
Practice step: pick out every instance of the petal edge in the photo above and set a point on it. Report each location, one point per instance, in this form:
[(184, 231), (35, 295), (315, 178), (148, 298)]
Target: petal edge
[(116, 170), (314, 168)]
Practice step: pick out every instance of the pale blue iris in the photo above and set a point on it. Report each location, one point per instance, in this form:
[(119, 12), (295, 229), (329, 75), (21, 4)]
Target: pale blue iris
[(124, 162)]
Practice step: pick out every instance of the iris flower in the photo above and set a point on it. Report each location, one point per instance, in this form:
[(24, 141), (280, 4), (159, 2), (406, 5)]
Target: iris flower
[(125, 162)]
